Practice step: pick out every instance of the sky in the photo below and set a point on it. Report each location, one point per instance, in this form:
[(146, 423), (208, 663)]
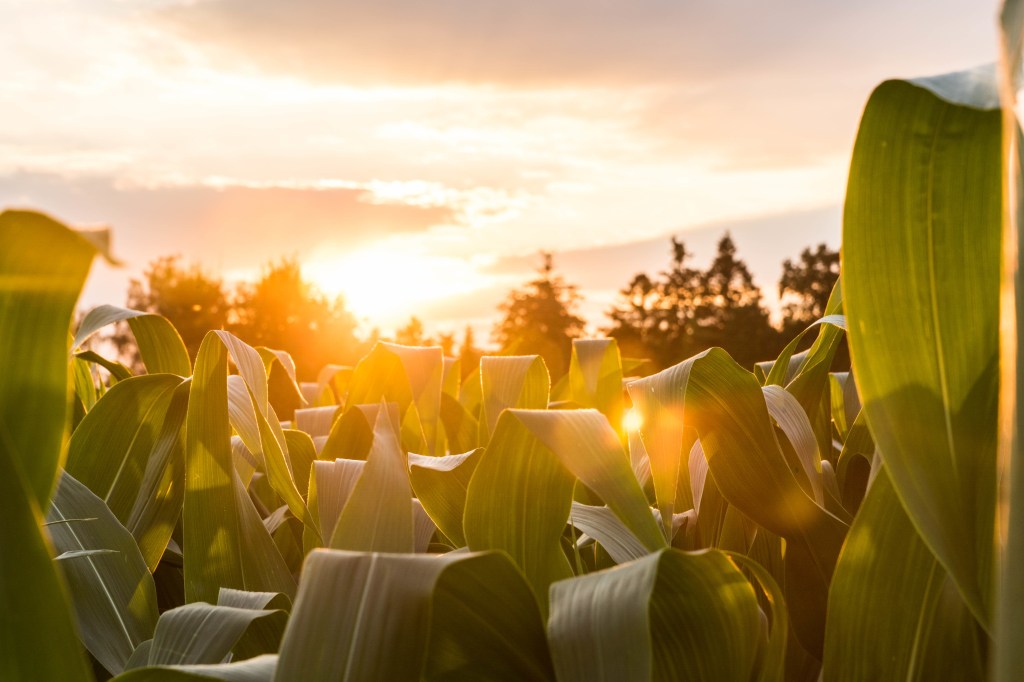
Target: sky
[(416, 156)]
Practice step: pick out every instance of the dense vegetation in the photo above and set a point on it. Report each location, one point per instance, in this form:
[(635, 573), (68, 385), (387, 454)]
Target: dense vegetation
[(415, 521)]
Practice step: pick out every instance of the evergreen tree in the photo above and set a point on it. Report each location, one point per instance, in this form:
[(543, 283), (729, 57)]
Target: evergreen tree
[(655, 319), (541, 319), (728, 310), (412, 333)]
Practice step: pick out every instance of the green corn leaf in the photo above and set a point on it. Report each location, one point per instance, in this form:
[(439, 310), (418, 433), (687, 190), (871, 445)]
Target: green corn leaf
[(330, 486), (263, 636), (440, 484), (279, 362), (118, 372), (316, 421), (666, 438), (378, 515), (43, 266), (893, 614), (409, 376), (201, 633), (160, 346), (460, 427), (259, 669), (520, 496), (921, 255), (113, 593), (352, 433), (301, 455), (603, 525), (225, 541), (456, 616), (595, 378), (845, 402), (128, 451), (668, 616), (518, 381)]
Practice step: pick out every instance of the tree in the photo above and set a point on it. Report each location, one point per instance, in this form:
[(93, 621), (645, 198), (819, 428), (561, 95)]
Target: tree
[(447, 342), (541, 319), (655, 318), (194, 301), (285, 312), (728, 311), (806, 285), (412, 333)]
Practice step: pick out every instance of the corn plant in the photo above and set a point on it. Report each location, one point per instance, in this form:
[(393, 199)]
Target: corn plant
[(705, 522)]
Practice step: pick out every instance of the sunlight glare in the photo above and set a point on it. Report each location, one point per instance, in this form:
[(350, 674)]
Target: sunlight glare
[(632, 420), (387, 284)]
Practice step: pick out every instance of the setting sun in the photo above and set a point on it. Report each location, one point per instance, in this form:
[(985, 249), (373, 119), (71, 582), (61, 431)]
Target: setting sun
[(388, 284)]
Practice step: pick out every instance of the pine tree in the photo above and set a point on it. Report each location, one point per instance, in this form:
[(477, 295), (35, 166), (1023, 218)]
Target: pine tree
[(728, 309), (541, 319)]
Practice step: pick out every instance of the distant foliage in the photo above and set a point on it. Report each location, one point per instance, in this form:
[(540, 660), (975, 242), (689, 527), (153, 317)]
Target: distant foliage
[(284, 311), (685, 310), (541, 319), (805, 286), (191, 298)]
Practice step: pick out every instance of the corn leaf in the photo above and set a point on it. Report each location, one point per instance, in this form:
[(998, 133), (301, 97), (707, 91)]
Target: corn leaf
[(440, 484), (921, 254), (518, 381), (160, 346), (42, 268), (456, 616), (668, 616), (225, 542), (378, 515), (330, 486), (201, 633), (520, 496), (112, 592), (259, 669), (595, 377), (893, 614), (409, 376), (127, 451)]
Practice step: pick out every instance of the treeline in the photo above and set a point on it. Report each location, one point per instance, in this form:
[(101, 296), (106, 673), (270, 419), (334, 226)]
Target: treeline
[(664, 317)]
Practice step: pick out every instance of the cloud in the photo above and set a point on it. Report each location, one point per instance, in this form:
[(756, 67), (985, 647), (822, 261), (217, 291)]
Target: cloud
[(225, 228), (543, 43)]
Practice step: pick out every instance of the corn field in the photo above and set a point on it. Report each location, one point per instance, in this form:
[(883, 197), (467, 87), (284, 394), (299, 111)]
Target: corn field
[(702, 523)]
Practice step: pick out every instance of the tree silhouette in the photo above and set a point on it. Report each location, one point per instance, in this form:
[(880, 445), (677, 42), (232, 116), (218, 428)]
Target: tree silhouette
[(193, 300), (541, 319), (729, 312), (284, 311), (412, 333), (686, 311), (655, 319), (806, 285)]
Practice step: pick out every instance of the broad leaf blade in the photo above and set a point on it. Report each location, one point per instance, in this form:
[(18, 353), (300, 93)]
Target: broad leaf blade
[(160, 345), (921, 267), (42, 268), (113, 594)]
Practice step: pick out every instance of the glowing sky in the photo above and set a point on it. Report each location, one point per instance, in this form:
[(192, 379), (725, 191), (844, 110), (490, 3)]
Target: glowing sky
[(433, 148)]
